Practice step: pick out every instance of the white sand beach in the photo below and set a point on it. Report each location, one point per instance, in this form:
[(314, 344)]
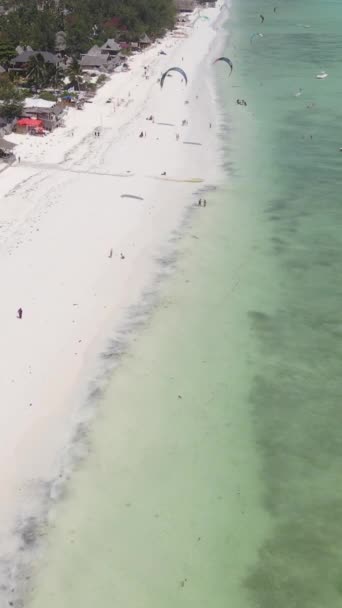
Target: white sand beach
[(64, 223)]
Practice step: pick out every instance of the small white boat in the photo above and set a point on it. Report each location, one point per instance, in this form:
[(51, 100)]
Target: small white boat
[(322, 75)]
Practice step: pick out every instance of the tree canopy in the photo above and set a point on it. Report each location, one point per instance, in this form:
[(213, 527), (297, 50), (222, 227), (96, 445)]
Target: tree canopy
[(85, 22), (11, 100)]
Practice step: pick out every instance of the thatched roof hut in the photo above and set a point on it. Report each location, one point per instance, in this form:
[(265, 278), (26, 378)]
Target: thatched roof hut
[(185, 6), (145, 40)]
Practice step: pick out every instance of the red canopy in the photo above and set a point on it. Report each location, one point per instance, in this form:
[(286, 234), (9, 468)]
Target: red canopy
[(30, 122)]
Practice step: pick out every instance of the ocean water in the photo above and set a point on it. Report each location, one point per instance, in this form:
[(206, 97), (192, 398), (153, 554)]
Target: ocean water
[(213, 476)]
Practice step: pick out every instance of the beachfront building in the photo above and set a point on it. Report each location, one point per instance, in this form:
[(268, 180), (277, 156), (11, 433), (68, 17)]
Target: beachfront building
[(94, 62), (97, 59), (20, 49), (144, 41), (6, 150), (185, 6), (110, 48), (60, 43), (48, 112), (21, 63)]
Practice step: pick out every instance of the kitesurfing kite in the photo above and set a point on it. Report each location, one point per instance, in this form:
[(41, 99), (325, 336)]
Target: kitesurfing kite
[(262, 18), (173, 70), (227, 61), (256, 34)]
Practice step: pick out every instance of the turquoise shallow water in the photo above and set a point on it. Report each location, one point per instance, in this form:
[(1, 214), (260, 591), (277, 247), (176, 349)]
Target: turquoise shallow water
[(214, 473)]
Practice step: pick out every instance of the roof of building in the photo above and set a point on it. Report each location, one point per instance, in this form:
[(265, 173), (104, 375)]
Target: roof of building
[(185, 5), (93, 61), (5, 145), (26, 56), (60, 41), (94, 51), (36, 102), (110, 45), (20, 49), (145, 39)]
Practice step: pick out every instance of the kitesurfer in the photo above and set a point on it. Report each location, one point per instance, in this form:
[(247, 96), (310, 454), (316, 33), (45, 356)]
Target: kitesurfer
[(227, 60), (175, 69)]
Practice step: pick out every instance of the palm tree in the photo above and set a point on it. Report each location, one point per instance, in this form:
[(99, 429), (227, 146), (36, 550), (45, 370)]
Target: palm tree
[(54, 76), (75, 74), (7, 52), (37, 71)]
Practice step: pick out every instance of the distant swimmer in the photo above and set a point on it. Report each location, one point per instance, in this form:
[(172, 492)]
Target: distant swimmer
[(299, 92), (322, 75), (275, 9), (20, 313), (262, 18)]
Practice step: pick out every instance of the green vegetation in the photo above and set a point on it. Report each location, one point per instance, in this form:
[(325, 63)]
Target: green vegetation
[(7, 52), (85, 22), (101, 79), (48, 96), (11, 100), (41, 74)]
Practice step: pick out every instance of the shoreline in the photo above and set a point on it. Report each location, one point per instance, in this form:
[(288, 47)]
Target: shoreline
[(55, 205)]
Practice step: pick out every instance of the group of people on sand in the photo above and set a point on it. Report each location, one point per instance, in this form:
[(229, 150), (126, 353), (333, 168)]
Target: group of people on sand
[(97, 133), (241, 102), (122, 257), (202, 203)]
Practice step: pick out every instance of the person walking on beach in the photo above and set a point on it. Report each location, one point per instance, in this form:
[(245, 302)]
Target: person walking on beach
[(204, 203), (200, 202), (122, 257), (20, 313), (19, 159), (110, 253)]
